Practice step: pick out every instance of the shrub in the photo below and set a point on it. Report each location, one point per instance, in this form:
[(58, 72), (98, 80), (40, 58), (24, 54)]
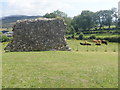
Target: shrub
[(112, 39), (81, 36), (68, 37), (92, 37), (4, 38), (100, 38), (73, 36)]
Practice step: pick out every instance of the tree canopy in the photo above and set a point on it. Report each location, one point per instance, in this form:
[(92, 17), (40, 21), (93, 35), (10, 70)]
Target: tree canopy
[(55, 14), (84, 21), (87, 19)]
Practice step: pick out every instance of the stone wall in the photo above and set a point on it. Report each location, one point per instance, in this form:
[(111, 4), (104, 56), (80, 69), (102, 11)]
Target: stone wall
[(38, 35)]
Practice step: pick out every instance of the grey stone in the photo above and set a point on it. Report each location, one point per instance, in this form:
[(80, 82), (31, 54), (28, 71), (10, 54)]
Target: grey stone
[(38, 35)]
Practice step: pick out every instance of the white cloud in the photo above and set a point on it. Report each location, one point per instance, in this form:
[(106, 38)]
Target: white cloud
[(40, 7), (33, 7)]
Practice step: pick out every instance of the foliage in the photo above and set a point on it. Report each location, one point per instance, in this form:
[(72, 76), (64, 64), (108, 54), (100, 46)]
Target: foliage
[(119, 23), (70, 28), (49, 15), (87, 20), (68, 20), (4, 38), (81, 36), (92, 37), (73, 36), (55, 14), (113, 39), (104, 17), (115, 16), (84, 21)]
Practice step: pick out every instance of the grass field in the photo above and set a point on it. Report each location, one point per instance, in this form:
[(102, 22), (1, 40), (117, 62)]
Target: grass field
[(89, 67)]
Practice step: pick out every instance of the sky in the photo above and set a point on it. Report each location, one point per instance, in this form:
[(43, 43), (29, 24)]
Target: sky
[(40, 7)]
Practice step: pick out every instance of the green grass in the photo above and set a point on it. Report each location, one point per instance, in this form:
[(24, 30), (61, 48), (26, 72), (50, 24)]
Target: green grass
[(62, 69)]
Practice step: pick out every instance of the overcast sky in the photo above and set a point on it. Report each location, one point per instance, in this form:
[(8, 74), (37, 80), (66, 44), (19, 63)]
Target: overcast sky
[(40, 7)]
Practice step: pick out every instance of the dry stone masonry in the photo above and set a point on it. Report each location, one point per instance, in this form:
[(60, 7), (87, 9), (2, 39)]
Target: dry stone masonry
[(38, 35)]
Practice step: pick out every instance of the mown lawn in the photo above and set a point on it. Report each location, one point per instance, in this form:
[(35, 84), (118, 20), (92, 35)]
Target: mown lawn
[(62, 69)]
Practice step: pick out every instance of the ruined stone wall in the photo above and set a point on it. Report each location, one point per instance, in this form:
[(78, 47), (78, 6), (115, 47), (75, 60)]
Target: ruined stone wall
[(38, 35)]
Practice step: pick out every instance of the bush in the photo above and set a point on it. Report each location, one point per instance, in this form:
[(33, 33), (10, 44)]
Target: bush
[(100, 38), (73, 36), (68, 37), (112, 39), (4, 38), (81, 36), (92, 37)]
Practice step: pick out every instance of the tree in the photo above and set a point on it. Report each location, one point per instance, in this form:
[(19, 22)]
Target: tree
[(49, 15), (84, 21), (68, 20), (75, 23), (55, 14), (60, 14), (115, 16), (104, 18), (70, 28), (119, 23)]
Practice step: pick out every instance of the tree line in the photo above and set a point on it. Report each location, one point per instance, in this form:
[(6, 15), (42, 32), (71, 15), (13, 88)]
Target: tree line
[(87, 20)]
